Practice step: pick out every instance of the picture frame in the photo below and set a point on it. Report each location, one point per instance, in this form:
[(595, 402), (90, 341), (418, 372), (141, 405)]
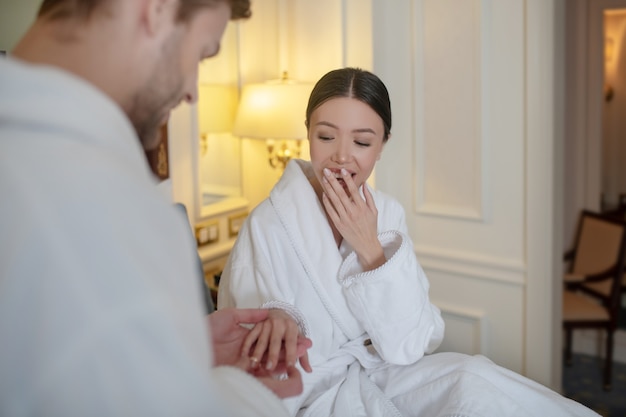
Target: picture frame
[(158, 158)]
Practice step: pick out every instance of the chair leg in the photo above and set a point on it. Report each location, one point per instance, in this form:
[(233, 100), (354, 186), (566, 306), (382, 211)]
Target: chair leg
[(568, 346), (608, 366)]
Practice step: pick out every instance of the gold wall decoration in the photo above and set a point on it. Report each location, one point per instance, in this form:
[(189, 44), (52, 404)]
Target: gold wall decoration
[(158, 157)]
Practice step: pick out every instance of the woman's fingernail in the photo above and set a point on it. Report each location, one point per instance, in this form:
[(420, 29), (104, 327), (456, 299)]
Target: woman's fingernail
[(327, 172), (269, 366), (344, 172)]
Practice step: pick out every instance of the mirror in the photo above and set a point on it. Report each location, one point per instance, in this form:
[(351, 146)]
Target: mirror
[(219, 155)]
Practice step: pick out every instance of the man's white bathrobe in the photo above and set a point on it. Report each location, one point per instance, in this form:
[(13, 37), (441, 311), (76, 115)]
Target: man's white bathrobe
[(286, 253), (100, 304)]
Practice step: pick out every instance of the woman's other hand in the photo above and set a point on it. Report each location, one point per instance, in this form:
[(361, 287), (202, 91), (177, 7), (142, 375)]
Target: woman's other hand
[(355, 218)]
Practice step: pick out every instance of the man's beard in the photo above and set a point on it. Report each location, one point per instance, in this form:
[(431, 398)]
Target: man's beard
[(148, 109), (161, 93), (148, 112)]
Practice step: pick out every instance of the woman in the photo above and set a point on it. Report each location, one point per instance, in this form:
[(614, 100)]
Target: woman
[(334, 262)]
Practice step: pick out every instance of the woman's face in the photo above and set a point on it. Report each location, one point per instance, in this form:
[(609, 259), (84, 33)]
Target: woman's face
[(345, 133)]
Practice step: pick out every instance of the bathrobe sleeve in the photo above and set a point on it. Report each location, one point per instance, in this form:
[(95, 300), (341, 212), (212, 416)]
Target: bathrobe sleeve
[(255, 272), (392, 301), (263, 272)]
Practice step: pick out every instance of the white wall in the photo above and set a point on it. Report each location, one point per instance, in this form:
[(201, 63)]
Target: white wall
[(472, 161)]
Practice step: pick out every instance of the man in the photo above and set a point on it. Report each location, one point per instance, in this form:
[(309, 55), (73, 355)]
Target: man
[(100, 311)]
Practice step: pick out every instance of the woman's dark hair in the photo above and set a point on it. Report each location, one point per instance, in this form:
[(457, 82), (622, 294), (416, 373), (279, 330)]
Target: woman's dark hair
[(354, 83), (60, 9)]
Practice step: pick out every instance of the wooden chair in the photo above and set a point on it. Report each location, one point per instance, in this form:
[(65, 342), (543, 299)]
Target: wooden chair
[(620, 213), (593, 281)]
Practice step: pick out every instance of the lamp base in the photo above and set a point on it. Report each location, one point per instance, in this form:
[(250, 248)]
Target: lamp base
[(279, 156)]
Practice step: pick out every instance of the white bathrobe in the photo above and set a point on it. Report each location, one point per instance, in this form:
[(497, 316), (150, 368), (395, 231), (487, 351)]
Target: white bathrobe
[(100, 303), (286, 253)]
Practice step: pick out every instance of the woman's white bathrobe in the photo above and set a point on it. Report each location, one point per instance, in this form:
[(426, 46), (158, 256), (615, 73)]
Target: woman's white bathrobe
[(286, 252)]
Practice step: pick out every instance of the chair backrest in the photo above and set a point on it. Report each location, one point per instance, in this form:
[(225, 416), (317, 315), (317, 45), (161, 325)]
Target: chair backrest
[(599, 255), (598, 244)]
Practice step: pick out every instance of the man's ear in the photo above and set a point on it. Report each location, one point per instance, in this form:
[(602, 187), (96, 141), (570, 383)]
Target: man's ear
[(158, 14)]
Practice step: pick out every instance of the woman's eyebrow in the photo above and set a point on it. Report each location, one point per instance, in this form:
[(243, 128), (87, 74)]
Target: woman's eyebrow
[(359, 130), (364, 130), (323, 123)]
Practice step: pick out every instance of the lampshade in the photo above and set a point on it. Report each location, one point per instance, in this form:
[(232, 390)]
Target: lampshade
[(273, 110), (217, 104)]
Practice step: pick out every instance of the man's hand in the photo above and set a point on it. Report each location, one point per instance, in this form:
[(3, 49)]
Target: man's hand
[(288, 386), (228, 336)]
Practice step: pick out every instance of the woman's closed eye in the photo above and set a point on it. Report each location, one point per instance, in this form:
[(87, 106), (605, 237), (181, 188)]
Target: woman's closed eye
[(362, 144)]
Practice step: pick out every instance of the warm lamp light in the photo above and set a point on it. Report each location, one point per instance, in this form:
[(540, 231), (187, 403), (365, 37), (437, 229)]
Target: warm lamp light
[(272, 111), (217, 105), (609, 46)]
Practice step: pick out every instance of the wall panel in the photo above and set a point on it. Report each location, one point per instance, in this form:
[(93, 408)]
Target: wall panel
[(462, 89), (466, 331), (449, 157), (490, 313)]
